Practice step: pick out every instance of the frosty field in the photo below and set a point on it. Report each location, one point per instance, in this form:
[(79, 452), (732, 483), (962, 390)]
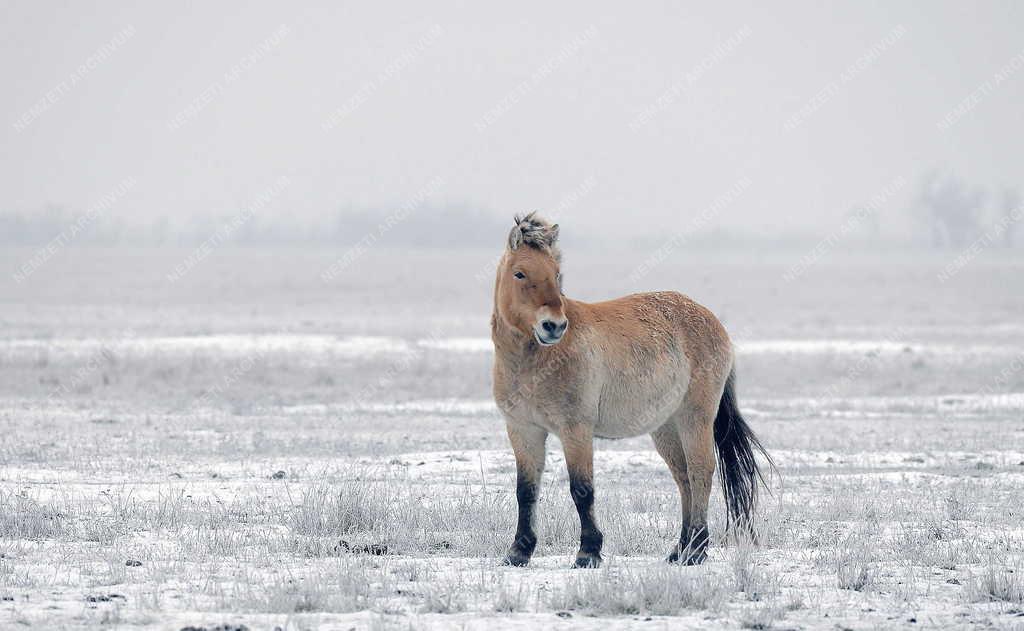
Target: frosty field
[(252, 445)]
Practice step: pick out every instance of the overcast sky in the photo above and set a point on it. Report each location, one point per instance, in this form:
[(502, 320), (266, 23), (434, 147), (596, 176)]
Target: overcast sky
[(645, 112)]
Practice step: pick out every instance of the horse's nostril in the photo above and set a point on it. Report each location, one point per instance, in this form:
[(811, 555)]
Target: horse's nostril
[(554, 329)]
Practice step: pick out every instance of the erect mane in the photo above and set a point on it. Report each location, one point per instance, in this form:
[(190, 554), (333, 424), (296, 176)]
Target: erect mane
[(535, 232)]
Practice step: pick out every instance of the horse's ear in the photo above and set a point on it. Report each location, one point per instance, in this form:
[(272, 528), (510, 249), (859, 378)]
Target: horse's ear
[(553, 233), (515, 238)]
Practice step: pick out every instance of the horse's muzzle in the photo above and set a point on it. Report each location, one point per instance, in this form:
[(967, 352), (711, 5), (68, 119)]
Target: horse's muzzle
[(550, 332)]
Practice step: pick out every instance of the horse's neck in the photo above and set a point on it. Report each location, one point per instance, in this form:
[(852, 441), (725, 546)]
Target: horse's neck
[(508, 342)]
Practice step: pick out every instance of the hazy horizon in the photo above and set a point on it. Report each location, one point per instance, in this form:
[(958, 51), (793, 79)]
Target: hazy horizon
[(635, 122)]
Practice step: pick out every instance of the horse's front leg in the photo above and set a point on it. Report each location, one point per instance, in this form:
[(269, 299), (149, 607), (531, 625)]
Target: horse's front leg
[(528, 446), (578, 444)]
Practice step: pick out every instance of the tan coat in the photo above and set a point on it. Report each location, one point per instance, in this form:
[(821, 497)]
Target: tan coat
[(655, 363)]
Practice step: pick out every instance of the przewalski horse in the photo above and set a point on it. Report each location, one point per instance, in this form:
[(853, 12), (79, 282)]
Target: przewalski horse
[(656, 363)]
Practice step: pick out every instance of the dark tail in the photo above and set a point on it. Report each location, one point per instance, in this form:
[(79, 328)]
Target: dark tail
[(737, 465)]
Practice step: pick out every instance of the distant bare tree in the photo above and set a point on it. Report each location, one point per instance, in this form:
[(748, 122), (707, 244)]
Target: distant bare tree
[(952, 209), (865, 221), (1011, 204)]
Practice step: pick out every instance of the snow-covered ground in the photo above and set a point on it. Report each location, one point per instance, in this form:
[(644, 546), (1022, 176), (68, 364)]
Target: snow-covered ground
[(253, 446)]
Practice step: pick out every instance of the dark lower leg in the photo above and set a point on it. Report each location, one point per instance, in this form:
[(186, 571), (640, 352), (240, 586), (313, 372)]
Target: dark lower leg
[(528, 445), (591, 538), (578, 444), (526, 539), (693, 546)]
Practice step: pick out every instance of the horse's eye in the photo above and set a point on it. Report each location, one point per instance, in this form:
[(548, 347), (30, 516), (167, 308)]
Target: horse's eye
[(520, 275)]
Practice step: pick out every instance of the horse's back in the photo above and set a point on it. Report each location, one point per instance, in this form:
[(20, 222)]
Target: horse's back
[(666, 316)]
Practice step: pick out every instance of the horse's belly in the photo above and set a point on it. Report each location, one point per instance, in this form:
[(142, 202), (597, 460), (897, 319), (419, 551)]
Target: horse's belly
[(631, 409)]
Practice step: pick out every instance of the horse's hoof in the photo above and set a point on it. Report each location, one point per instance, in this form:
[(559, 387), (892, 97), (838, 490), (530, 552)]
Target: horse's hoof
[(688, 557), (588, 562), (516, 560)]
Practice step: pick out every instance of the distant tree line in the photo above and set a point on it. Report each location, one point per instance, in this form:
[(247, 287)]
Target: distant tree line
[(422, 227), (947, 212), (955, 214)]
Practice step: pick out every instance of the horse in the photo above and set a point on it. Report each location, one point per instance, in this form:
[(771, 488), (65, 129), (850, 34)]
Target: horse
[(655, 363)]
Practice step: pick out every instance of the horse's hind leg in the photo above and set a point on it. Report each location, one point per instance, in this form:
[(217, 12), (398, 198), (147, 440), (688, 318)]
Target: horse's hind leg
[(578, 444), (696, 432), (528, 446), (670, 446)]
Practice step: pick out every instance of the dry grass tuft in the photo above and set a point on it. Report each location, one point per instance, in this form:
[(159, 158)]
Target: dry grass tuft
[(651, 590), (997, 584), (22, 517)]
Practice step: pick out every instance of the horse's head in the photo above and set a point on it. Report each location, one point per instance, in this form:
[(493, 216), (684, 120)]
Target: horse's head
[(528, 291)]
